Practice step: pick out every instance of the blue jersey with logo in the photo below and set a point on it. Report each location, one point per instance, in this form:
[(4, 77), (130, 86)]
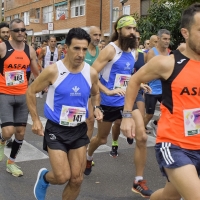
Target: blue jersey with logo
[(70, 89), (122, 63), (156, 85)]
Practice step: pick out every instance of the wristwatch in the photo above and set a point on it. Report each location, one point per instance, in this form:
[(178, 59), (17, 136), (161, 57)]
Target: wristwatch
[(99, 107)]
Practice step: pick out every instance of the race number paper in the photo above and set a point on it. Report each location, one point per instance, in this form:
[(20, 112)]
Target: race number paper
[(191, 121), (72, 116), (14, 78), (121, 81)]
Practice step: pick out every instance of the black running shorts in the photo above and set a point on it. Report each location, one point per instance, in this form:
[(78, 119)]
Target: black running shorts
[(64, 138)]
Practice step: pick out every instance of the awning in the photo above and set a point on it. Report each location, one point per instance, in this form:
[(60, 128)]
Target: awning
[(60, 4), (61, 42)]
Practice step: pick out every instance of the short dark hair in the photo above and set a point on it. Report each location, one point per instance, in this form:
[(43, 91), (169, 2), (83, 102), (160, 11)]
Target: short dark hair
[(188, 15), (15, 21), (77, 33), (4, 24), (43, 41)]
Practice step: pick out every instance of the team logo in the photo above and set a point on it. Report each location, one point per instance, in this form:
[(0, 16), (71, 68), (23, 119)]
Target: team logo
[(127, 66), (52, 136), (75, 93), (181, 61)]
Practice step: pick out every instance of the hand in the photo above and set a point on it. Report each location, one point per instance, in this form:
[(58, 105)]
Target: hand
[(146, 88), (46, 89), (37, 128), (118, 91), (98, 114), (128, 127)]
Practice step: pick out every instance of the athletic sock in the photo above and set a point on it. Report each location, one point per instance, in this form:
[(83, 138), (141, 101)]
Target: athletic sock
[(44, 177), (16, 146), (115, 143), (138, 178), (89, 157)]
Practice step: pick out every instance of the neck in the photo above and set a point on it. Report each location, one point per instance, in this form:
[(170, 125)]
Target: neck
[(91, 47), (162, 50), (71, 67), (17, 44), (52, 48), (191, 54)]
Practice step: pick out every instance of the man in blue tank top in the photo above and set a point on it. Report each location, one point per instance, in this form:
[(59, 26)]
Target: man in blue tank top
[(70, 83), (115, 64), (156, 94)]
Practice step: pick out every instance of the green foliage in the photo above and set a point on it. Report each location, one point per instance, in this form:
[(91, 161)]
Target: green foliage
[(165, 15)]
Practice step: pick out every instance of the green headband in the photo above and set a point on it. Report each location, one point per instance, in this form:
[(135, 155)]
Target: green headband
[(126, 21)]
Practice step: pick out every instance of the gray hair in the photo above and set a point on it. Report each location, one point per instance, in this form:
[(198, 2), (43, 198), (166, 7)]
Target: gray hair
[(15, 21), (163, 31)]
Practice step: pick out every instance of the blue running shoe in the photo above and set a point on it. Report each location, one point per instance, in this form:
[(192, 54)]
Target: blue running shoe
[(41, 186)]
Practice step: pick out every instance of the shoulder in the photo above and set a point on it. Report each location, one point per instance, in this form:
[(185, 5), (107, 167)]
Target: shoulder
[(109, 51)]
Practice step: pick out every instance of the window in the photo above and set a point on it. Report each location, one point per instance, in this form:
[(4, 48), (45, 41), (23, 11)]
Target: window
[(47, 14), (77, 8), (61, 12), (26, 18), (16, 16), (8, 19), (115, 14), (145, 4), (126, 10), (37, 13)]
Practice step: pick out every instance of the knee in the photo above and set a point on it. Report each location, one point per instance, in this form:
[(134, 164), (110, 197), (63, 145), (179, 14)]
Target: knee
[(76, 181), (102, 141), (141, 136), (62, 178)]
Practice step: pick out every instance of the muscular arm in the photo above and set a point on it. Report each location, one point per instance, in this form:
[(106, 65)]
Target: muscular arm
[(33, 65), (46, 78)]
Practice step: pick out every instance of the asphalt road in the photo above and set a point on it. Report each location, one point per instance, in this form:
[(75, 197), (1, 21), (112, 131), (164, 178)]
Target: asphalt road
[(111, 178)]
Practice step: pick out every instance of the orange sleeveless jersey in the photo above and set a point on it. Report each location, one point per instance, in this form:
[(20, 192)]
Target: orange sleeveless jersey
[(180, 92), (13, 80)]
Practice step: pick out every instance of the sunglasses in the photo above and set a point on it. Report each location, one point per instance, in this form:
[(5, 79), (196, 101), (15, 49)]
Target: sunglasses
[(16, 30)]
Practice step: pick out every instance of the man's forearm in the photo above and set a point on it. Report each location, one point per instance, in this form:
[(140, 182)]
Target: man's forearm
[(102, 88), (95, 99)]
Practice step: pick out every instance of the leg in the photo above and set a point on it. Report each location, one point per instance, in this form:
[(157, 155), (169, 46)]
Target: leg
[(115, 136), (139, 185), (169, 192), (90, 120), (77, 163)]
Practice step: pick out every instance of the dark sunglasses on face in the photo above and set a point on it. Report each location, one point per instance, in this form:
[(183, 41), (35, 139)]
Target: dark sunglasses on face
[(16, 30)]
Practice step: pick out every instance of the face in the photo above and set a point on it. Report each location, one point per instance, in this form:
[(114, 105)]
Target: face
[(137, 34), (4, 33), (95, 35), (103, 44), (146, 45), (127, 38), (141, 47), (193, 35), (100, 46), (153, 41), (52, 42), (76, 51), (17, 32), (44, 44), (164, 40)]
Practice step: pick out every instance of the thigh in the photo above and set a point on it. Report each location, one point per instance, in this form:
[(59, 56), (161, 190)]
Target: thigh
[(185, 179), (150, 103), (59, 162), (7, 103), (77, 161), (20, 111)]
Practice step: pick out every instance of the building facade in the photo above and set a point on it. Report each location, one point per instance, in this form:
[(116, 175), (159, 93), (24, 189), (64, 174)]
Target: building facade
[(56, 17)]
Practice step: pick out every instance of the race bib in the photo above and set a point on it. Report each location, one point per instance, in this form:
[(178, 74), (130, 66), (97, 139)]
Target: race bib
[(14, 78), (121, 81), (72, 116), (191, 121)]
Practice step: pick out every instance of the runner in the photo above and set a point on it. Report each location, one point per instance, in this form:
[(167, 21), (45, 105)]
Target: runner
[(70, 82), (13, 86), (178, 139), (91, 55), (153, 41), (156, 87), (116, 61)]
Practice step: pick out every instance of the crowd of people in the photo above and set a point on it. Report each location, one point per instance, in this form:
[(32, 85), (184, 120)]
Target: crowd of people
[(118, 84)]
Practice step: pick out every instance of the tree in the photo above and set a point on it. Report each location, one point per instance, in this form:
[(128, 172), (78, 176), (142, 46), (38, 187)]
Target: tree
[(163, 14)]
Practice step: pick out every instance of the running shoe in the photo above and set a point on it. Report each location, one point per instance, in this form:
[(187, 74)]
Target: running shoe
[(2, 146), (40, 188), (154, 127), (93, 163), (130, 140), (114, 152), (88, 168), (14, 169), (9, 143), (141, 188)]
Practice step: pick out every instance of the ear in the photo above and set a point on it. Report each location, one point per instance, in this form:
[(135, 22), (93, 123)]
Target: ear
[(185, 33)]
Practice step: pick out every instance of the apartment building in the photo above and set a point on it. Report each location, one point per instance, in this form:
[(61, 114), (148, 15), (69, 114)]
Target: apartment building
[(56, 17)]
